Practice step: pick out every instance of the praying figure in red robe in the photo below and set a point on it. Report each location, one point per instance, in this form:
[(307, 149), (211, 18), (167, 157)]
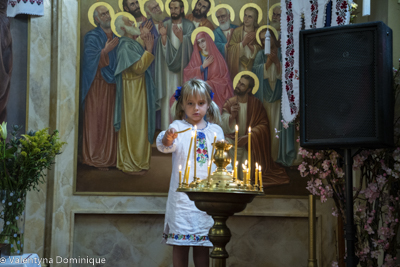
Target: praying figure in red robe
[(209, 65)]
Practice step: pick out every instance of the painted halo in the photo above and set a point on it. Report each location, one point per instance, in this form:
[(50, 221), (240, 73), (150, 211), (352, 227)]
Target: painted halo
[(266, 27), (202, 29), (260, 13), (141, 3), (94, 6), (194, 2), (214, 17), (271, 10), (185, 7), (126, 14), (252, 74)]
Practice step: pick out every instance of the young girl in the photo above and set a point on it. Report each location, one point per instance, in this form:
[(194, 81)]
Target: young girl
[(185, 225)]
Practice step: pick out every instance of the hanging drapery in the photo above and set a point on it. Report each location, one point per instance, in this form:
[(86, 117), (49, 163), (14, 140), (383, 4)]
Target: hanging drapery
[(29, 7), (313, 14)]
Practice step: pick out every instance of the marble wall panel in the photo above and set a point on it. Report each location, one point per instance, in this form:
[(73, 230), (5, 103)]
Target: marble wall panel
[(38, 118), (134, 240)]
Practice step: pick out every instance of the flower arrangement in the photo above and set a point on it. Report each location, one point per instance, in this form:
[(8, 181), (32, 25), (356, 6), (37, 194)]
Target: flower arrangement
[(376, 194), (23, 162)]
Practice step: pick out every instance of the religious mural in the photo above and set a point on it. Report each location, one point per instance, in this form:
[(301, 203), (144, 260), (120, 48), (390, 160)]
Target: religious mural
[(134, 54)]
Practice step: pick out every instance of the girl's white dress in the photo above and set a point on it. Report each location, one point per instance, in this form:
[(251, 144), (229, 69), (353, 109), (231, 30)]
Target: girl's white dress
[(185, 225)]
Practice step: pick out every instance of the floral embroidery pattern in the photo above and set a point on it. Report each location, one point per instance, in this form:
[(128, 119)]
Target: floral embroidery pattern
[(13, 2), (341, 10), (289, 59), (314, 13), (202, 151), (197, 238)]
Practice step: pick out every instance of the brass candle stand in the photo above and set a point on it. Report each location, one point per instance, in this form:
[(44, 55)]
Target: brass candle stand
[(220, 195)]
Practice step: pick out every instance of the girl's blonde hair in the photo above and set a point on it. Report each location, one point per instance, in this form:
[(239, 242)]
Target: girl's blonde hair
[(199, 88)]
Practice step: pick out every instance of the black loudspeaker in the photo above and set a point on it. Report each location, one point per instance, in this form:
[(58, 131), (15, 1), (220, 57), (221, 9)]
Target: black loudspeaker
[(346, 92)]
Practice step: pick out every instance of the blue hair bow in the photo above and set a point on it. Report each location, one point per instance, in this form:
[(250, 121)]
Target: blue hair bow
[(211, 94), (178, 93)]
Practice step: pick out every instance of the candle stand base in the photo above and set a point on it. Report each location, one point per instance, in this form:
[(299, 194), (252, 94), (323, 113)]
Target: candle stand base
[(220, 206)]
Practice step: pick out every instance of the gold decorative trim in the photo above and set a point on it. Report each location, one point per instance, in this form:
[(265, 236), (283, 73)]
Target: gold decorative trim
[(271, 10), (231, 11), (185, 6), (252, 74), (266, 27), (125, 14), (77, 98), (94, 6), (260, 13), (194, 2), (202, 29)]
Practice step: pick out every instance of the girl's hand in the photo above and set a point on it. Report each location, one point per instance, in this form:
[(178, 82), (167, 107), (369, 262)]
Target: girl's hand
[(169, 137)]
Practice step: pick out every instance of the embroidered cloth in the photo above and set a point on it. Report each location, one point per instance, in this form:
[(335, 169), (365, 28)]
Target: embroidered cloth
[(314, 14)]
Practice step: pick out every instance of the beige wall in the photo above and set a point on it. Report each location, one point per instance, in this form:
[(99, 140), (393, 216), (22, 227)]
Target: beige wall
[(387, 11)]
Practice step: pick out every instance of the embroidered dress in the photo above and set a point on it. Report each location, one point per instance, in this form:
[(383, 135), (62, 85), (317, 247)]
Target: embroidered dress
[(185, 225)]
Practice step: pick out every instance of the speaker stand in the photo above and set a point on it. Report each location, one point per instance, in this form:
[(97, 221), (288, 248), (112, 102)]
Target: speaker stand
[(351, 259)]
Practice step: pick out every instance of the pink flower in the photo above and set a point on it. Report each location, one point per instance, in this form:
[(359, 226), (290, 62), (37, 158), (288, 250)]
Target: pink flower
[(302, 167), (375, 254), (326, 164), (313, 170)]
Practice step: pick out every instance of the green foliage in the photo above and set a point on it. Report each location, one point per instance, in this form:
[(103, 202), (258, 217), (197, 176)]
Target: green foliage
[(24, 160)]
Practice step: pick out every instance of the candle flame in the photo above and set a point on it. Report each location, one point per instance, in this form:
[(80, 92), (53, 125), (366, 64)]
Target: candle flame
[(237, 162), (237, 128), (195, 127), (249, 129), (189, 162), (180, 167), (215, 134), (256, 165), (245, 163), (259, 168)]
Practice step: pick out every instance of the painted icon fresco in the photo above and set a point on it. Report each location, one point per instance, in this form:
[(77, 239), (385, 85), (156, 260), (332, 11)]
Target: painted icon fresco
[(133, 56)]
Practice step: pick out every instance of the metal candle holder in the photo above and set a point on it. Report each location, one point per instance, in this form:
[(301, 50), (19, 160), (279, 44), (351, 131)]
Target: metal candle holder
[(220, 195)]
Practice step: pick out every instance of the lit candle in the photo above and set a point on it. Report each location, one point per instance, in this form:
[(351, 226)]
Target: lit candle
[(186, 167), (180, 175), (236, 142), (212, 155), (260, 176), (195, 150), (249, 152), (256, 175)]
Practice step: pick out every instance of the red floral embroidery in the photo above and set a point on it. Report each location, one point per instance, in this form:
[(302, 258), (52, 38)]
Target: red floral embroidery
[(341, 9)]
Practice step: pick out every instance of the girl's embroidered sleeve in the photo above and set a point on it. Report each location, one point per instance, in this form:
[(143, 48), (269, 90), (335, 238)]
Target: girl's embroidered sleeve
[(161, 147)]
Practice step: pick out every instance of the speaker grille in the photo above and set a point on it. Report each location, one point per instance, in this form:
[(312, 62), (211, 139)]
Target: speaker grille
[(340, 72)]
